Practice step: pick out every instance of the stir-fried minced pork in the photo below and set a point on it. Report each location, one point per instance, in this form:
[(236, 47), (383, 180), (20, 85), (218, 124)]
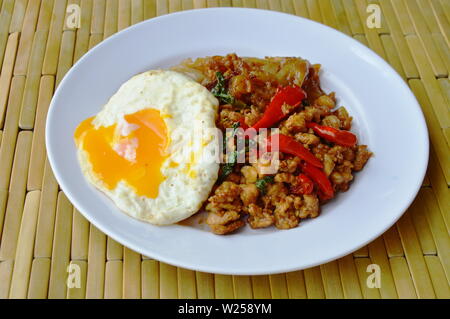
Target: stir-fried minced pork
[(244, 193)]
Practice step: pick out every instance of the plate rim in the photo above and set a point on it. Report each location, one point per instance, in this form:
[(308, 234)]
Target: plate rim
[(173, 261)]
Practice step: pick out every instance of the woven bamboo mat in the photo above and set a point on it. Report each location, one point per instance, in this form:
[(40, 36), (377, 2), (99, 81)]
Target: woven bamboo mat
[(42, 234)]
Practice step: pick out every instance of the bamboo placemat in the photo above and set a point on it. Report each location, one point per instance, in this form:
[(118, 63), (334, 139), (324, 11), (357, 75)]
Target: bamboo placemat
[(42, 234)]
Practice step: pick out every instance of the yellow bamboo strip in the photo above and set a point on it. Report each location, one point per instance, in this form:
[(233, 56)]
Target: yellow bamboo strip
[(428, 15), (54, 38), (5, 19), (18, 15), (68, 13), (96, 264), (186, 284), (80, 237), (378, 256), (212, 3), (261, 287), (440, 188), (331, 280), (77, 288), (443, 48), (131, 274), (28, 108), (444, 23), (314, 283), (275, 5), (393, 243), (205, 285), (168, 286), (418, 213), (278, 286), (314, 10), (361, 268), (162, 7), (438, 229), (436, 135), (82, 41), (353, 17), (371, 34), (328, 13), (361, 38), (447, 134), (445, 88), (150, 279), (40, 274), (403, 17), (150, 9), (137, 11), (175, 5), (362, 252), (113, 279), (242, 286), (423, 33), (341, 17), (61, 249), (111, 17), (37, 159), (47, 209), (6, 269), (6, 73), (301, 9), (402, 278), (45, 15), (349, 278), (286, 6), (10, 134), (252, 3), (98, 16), (399, 40), (26, 37), (24, 251), (124, 14), (237, 3), (201, 4), (95, 39), (446, 8), (416, 263), (440, 283), (189, 4), (223, 286), (66, 55), (16, 197), (391, 53), (261, 4), (296, 285), (114, 250)]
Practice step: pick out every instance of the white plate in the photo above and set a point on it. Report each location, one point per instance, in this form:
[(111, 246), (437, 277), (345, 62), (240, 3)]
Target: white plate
[(386, 115)]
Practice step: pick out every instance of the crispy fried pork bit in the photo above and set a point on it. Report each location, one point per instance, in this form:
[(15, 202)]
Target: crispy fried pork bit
[(362, 156), (310, 207), (260, 217), (284, 212), (224, 209)]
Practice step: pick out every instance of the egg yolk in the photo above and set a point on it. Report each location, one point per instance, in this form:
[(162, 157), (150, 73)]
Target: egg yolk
[(131, 151)]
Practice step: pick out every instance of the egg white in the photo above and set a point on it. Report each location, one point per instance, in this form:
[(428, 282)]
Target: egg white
[(189, 111)]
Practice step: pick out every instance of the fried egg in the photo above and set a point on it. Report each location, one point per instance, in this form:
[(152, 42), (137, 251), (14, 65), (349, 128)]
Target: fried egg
[(144, 149)]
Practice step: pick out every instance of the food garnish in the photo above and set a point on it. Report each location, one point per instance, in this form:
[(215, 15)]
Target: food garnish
[(340, 137)]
